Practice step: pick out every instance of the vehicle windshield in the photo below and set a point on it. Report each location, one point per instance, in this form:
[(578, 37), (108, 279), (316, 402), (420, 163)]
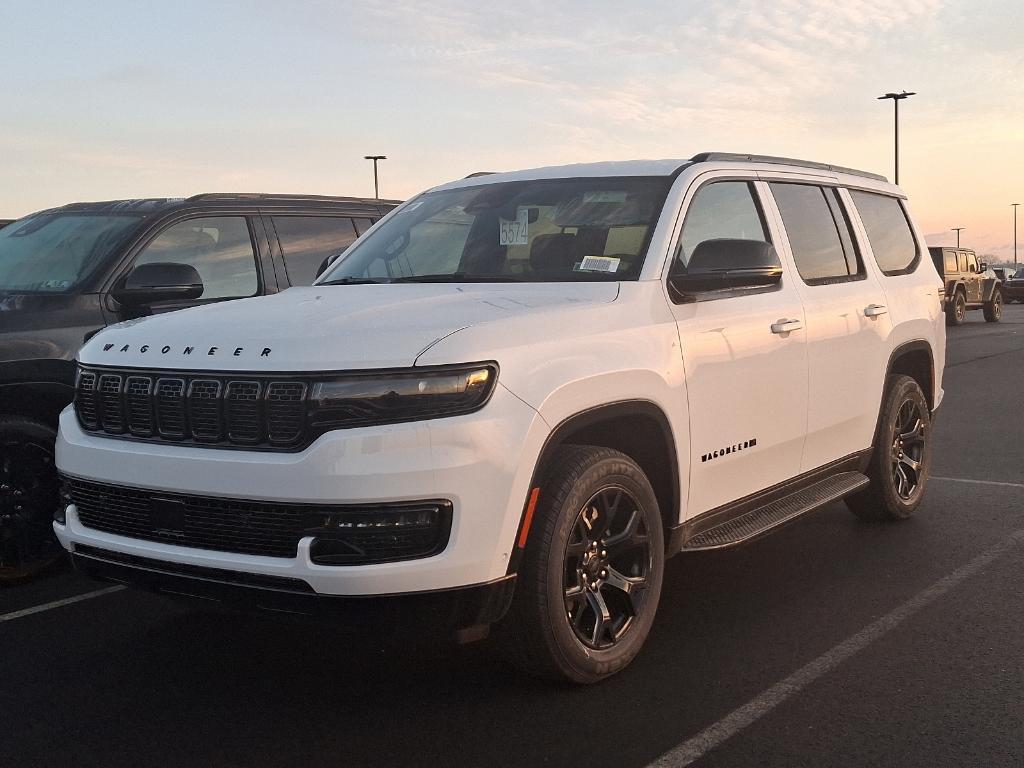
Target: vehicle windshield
[(582, 229), (52, 252)]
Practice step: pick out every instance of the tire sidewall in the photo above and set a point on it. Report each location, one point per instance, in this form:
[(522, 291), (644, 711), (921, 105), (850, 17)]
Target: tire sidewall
[(959, 308), (588, 664)]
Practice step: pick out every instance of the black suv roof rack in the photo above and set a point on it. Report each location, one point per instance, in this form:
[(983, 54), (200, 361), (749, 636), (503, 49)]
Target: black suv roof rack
[(264, 196), (706, 157)]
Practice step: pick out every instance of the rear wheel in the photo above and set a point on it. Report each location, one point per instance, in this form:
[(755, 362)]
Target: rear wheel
[(901, 457), (994, 308), (590, 580), (956, 312), (28, 498)]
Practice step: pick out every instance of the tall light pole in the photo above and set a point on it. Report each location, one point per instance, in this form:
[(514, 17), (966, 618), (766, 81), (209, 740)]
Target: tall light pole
[(1014, 237), (958, 230), (896, 99), (376, 186)]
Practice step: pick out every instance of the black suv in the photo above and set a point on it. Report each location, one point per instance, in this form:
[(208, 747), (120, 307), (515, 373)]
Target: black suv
[(5, 222), (969, 285), (65, 273)]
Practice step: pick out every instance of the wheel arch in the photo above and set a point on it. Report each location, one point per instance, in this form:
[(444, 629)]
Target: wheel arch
[(638, 428), (40, 400), (917, 360)]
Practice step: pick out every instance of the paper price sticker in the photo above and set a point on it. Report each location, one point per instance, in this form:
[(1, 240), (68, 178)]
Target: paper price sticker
[(515, 232)]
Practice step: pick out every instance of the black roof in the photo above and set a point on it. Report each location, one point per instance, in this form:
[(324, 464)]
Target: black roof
[(159, 204)]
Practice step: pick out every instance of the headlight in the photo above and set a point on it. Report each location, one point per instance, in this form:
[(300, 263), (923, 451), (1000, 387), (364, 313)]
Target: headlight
[(384, 397)]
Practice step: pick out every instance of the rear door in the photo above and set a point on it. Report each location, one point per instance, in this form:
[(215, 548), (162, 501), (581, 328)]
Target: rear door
[(746, 384), (847, 321)]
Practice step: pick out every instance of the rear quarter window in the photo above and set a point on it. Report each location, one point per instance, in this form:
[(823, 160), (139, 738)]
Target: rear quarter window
[(888, 229)]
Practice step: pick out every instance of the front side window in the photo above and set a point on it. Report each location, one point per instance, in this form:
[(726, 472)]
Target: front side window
[(888, 231), (306, 241), (584, 229), (818, 232), (52, 252), (719, 210), (220, 248), (972, 263)]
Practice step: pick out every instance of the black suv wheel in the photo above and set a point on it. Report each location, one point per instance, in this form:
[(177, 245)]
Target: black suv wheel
[(28, 498), (590, 580), (901, 457)]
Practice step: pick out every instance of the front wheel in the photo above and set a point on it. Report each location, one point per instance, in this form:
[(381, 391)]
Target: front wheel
[(901, 457), (590, 579), (994, 308)]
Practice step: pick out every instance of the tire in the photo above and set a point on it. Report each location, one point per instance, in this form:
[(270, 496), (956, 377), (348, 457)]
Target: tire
[(956, 312), (28, 497), (994, 308), (551, 629), (894, 453)]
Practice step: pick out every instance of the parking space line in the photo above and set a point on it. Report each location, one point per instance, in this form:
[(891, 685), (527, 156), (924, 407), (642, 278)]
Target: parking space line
[(60, 603), (978, 482), (714, 735)]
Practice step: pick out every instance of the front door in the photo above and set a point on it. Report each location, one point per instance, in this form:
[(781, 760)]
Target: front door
[(746, 383)]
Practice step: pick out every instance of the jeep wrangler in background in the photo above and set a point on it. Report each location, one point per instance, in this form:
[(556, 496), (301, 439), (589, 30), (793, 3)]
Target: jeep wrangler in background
[(968, 285), (519, 394), (67, 272)]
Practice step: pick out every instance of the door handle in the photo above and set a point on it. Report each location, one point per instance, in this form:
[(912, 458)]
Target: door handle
[(874, 310), (786, 326)]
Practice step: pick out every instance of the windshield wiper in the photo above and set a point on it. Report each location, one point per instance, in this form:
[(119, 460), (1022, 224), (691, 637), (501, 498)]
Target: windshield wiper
[(456, 277), (352, 281)]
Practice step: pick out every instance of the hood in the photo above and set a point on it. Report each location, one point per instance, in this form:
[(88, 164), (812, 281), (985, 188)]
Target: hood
[(347, 327)]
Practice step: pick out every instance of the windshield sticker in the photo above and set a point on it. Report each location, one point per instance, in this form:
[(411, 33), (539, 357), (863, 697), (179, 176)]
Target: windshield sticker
[(516, 232), (599, 264), (604, 197)]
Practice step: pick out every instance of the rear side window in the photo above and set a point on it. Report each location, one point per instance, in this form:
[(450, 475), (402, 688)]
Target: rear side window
[(220, 248), (888, 231), (306, 241), (951, 265), (818, 232), (720, 210)]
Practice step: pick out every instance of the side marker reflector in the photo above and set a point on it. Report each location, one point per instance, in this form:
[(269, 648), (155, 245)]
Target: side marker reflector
[(528, 518)]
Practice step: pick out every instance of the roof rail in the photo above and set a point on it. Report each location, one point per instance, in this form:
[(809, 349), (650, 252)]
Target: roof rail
[(265, 196), (479, 173), (707, 157)]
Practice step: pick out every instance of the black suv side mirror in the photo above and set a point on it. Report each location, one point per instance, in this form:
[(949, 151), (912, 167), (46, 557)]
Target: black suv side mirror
[(728, 264), (159, 281), (331, 258)]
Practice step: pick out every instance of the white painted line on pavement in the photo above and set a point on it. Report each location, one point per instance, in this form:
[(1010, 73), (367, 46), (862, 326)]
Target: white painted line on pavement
[(978, 482), (60, 603), (714, 735)]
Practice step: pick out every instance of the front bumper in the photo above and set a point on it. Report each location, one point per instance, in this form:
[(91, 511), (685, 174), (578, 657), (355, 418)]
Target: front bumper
[(481, 462)]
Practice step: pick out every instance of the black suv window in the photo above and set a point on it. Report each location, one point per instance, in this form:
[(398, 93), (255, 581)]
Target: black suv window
[(307, 240), (818, 232), (721, 209), (220, 248), (888, 231)]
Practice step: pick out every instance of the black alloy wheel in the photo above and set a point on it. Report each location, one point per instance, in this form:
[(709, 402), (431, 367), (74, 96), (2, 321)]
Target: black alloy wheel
[(607, 561), (28, 497), (908, 446)]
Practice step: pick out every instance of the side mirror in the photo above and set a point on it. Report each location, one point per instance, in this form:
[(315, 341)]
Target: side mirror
[(724, 264), (328, 262), (159, 281), (983, 267)]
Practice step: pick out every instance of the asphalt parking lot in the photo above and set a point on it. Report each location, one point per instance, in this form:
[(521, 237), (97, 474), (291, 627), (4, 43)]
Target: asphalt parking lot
[(830, 643)]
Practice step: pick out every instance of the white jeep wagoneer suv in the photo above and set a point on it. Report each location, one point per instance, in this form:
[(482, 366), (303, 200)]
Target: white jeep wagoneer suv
[(516, 396)]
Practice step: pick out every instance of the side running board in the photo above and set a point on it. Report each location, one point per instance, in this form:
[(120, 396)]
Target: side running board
[(779, 512)]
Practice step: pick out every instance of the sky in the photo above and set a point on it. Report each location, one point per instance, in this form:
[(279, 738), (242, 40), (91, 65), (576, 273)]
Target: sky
[(105, 100)]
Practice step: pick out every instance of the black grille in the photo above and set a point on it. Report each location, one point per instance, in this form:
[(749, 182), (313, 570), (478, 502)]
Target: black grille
[(346, 534), (209, 409)]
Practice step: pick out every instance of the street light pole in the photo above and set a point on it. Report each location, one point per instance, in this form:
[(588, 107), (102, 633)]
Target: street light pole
[(376, 186), (896, 98), (1014, 237), (958, 230)]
